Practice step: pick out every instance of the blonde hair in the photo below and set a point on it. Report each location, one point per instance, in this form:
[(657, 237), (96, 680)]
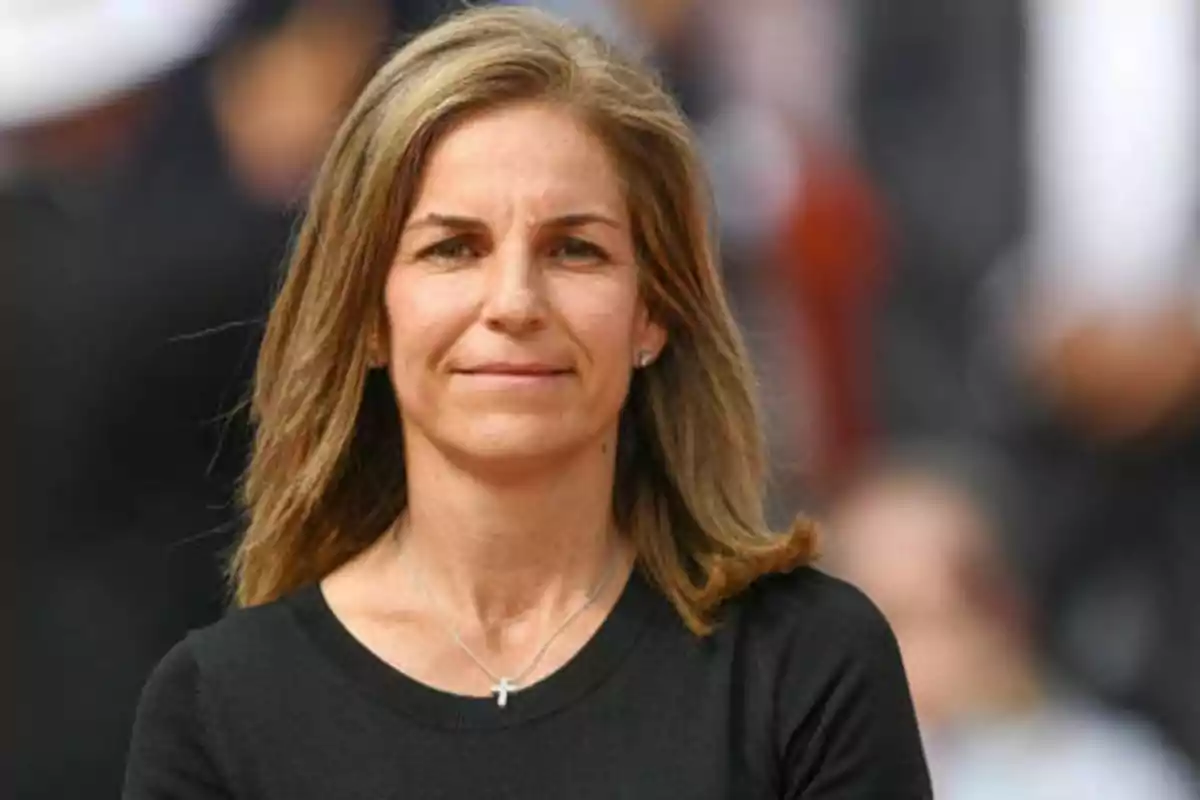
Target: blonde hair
[(326, 477)]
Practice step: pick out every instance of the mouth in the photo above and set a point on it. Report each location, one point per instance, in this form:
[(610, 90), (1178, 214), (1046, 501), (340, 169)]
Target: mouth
[(515, 377), (516, 371)]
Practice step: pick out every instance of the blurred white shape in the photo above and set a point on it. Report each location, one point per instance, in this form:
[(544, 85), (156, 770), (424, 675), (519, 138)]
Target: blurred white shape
[(1069, 749), (60, 56), (1116, 155)]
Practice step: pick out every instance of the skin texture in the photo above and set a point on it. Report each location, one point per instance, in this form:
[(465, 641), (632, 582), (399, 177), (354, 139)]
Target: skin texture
[(514, 285)]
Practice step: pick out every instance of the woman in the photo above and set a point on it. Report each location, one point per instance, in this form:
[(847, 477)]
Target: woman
[(505, 534)]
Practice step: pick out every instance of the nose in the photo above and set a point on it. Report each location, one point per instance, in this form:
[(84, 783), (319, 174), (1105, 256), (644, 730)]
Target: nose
[(514, 301)]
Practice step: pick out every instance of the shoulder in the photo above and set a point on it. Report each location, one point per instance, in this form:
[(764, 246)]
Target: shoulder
[(181, 741), (815, 636), (822, 657), (245, 643), (809, 586), (808, 605), (249, 627), (228, 664), (179, 746)]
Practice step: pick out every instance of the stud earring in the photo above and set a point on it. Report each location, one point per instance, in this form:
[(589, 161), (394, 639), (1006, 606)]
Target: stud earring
[(643, 358)]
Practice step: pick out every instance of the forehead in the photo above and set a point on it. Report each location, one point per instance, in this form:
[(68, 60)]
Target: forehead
[(531, 153)]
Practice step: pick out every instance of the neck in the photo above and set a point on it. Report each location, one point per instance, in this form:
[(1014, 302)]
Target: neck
[(531, 544)]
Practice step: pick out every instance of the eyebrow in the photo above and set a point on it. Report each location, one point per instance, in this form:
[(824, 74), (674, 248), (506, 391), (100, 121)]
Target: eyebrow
[(461, 223)]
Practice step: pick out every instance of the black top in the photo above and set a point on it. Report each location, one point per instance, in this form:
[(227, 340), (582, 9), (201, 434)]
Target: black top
[(798, 694)]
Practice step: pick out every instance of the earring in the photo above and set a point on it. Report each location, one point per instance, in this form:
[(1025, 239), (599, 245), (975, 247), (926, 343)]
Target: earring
[(643, 358)]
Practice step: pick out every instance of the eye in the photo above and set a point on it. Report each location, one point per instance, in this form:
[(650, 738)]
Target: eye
[(456, 248), (575, 250)]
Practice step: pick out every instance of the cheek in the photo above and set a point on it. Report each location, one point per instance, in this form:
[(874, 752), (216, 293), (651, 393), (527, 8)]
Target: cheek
[(422, 322), (604, 319)]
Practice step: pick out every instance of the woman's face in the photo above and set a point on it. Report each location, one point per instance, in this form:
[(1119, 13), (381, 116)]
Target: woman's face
[(513, 305)]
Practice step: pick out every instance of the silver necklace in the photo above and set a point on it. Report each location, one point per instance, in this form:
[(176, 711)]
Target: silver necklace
[(504, 686)]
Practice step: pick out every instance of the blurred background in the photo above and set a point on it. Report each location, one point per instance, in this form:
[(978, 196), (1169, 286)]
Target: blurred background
[(960, 235)]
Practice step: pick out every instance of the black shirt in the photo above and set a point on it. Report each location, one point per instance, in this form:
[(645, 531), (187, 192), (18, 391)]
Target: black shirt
[(798, 694)]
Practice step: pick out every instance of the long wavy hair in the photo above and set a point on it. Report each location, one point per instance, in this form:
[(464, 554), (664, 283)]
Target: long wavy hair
[(326, 476)]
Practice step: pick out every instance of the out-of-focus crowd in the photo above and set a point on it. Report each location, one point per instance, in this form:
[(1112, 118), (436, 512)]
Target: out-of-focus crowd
[(961, 238)]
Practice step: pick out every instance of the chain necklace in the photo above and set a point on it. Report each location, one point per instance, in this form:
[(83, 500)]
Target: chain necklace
[(504, 686)]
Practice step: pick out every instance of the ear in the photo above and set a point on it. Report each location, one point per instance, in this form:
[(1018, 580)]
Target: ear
[(377, 347), (649, 342)]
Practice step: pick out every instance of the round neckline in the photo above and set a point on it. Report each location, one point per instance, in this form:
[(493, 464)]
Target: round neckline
[(585, 671)]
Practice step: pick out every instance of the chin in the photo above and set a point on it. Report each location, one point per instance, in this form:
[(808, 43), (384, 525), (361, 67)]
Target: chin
[(512, 439)]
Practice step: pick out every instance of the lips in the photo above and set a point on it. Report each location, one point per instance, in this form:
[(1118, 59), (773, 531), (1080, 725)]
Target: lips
[(516, 370)]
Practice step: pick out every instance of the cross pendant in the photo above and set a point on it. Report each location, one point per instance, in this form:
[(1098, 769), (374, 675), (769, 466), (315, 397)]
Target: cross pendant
[(502, 691)]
